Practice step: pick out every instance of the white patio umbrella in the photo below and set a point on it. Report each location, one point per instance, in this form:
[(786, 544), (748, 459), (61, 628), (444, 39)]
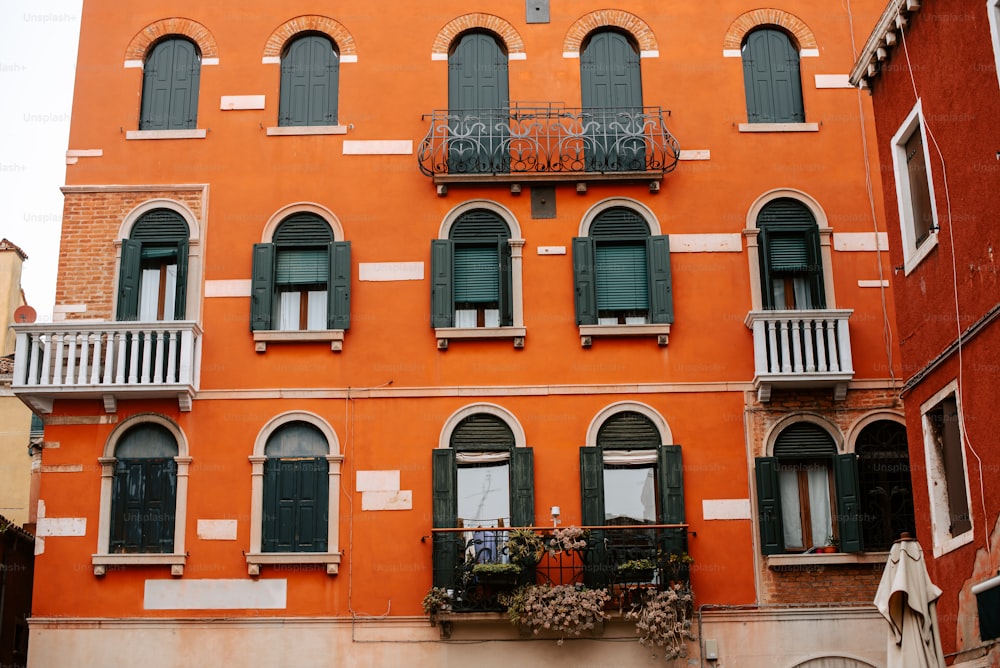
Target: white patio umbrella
[(907, 599)]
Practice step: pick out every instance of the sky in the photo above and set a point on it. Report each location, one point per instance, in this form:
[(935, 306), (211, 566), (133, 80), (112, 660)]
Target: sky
[(38, 43)]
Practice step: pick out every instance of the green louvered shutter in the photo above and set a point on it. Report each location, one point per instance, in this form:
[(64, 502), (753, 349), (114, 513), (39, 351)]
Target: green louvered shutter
[(622, 279), (180, 292), (446, 547), (522, 487), (848, 503), (596, 569), (296, 501), (128, 280), (442, 299), (171, 76), (310, 72), (476, 277), (160, 506), (583, 280), (661, 291), (771, 78), (269, 525), (772, 533), (477, 101), (339, 288), (262, 287), (611, 82), (506, 283), (670, 471), (144, 498)]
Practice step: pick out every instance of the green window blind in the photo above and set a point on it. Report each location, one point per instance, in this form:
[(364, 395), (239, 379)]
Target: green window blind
[(477, 275), (302, 266), (622, 281), (788, 253)]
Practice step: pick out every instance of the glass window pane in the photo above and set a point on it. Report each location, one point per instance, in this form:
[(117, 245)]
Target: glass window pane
[(791, 510), (484, 495), (169, 292), (630, 495)]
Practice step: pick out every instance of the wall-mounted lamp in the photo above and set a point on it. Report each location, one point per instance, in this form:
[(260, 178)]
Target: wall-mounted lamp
[(555, 515)]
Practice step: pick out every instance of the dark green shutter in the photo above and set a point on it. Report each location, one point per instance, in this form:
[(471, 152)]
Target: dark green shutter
[(339, 289), (171, 74), (442, 300), (128, 280), (180, 292), (446, 546), (262, 287), (143, 503), (506, 283), (522, 487), (670, 471), (661, 291), (611, 84), (848, 503), (771, 78), (310, 72), (596, 571), (583, 279), (296, 501), (772, 532), (478, 98), (621, 277), (476, 277)]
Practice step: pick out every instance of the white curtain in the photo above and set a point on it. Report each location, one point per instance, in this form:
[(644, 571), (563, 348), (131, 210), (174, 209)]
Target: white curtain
[(791, 511), (316, 317), (819, 505), (288, 310)]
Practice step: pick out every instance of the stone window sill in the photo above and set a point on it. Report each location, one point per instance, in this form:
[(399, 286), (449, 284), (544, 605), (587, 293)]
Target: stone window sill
[(589, 332), (334, 336), (257, 559), (166, 134), (101, 562), (789, 561), (444, 334), (779, 127), (929, 244), (298, 130)]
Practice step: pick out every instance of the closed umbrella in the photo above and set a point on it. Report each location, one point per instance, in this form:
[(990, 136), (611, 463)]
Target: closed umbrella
[(907, 599)]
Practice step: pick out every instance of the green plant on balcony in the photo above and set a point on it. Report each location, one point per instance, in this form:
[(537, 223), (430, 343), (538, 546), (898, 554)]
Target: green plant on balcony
[(663, 620), (524, 547), (497, 573), (565, 609), (636, 570), (436, 600), (677, 567)]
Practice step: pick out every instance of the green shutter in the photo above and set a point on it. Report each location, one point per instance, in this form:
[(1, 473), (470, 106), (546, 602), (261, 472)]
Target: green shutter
[(661, 294), (339, 288), (180, 292), (596, 570), (301, 266), (583, 279), (262, 287), (622, 279), (310, 70), (442, 301), (476, 277), (848, 503), (143, 502), (771, 78), (506, 283), (170, 86), (611, 82), (772, 532), (522, 487), (129, 273), (446, 546), (269, 519), (478, 97), (296, 504), (670, 471)]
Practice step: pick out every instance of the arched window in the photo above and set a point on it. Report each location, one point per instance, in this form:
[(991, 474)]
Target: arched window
[(170, 76), (622, 273), (884, 479), (771, 78), (152, 280), (144, 491), (791, 267), (302, 278), (296, 490), (478, 105), (310, 73), (471, 273), (611, 97)]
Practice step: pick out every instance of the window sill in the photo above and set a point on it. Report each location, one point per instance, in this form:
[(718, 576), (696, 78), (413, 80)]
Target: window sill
[(911, 262), (175, 561), (588, 332), (296, 130), (945, 544), (166, 134), (779, 127), (334, 336), (257, 559), (788, 561), (444, 334)]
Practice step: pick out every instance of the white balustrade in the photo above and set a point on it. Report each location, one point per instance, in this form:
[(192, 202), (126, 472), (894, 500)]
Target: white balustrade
[(798, 345)]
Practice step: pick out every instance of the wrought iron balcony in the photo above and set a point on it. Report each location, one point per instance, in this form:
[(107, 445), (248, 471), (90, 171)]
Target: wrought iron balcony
[(607, 557), (106, 360), (548, 142), (801, 350)]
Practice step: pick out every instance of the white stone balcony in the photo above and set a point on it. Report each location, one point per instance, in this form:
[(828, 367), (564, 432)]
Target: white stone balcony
[(107, 361), (801, 350)]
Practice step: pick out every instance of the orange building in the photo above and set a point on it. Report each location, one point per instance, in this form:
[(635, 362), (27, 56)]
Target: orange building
[(344, 295)]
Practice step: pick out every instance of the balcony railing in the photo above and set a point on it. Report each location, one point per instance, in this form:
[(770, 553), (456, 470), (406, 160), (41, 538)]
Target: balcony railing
[(547, 142), (108, 360), (601, 562), (801, 350)]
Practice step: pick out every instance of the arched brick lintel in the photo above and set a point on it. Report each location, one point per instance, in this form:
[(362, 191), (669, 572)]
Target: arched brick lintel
[(198, 33), (311, 22), (603, 18), (511, 38), (746, 22)]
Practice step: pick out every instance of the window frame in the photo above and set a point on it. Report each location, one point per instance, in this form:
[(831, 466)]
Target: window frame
[(913, 254), (189, 127), (993, 13), (178, 557), (942, 539), (331, 557), (808, 232)]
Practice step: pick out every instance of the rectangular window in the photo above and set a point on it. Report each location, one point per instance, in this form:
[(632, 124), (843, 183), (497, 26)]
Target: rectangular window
[(157, 289), (914, 189), (629, 495), (806, 504), (947, 474)]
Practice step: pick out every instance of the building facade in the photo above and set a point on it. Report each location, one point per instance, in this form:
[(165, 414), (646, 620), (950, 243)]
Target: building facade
[(931, 70), (345, 296)]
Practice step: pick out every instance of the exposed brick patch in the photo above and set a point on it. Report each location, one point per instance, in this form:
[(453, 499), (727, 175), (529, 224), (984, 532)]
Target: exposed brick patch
[(313, 23), (198, 33), (792, 24), (816, 583), (87, 253), (630, 23), (495, 24)]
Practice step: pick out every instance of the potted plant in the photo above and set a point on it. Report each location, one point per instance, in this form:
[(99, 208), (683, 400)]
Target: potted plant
[(678, 567), (565, 609), (497, 573), (437, 599), (524, 547), (664, 620), (831, 546), (636, 570), (568, 539)]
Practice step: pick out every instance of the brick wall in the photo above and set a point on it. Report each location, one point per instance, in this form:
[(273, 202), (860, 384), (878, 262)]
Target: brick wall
[(820, 583)]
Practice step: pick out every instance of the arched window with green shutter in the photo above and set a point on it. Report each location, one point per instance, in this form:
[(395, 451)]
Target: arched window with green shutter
[(771, 78), (152, 277), (296, 490), (170, 81), (310, 75), (478, 104), (611, 97), (144, 491), (791, 265), (301, 279)]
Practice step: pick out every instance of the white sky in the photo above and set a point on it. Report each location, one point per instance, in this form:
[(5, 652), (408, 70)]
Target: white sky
[(38, 42)]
